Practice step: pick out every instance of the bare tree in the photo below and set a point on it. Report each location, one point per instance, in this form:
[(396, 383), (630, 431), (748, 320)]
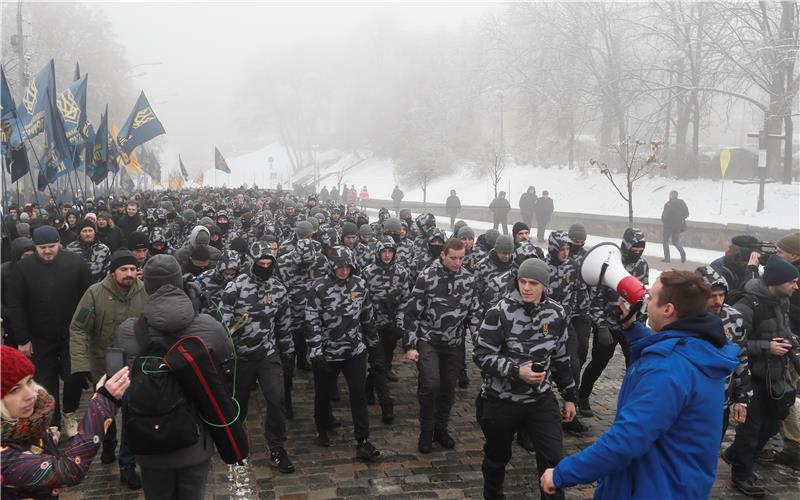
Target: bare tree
[(638, 161)]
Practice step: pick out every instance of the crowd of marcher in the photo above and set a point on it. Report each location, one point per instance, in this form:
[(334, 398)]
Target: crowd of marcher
[(276, 286)]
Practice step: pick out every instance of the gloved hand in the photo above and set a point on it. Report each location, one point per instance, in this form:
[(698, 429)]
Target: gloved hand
[(604, 336), (320, 365), (83, 378)]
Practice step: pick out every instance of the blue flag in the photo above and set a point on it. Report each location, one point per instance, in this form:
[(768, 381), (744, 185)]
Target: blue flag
[(16, 157), (37, 99), (99, 156), (219, 162), (72, 105), (57, 155), (77, 75), (141, 126)]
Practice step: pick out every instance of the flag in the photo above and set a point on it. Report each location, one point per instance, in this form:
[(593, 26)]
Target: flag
[(184, 173), (150, 164), (16, 157), (72, 105), (116, 157), (219, 161), (175, 180), (125, 180), (77, 75), (35, 102), (141, 126), (88, 149), (134, 164), (57, 155), (198, 180), (100, 150)]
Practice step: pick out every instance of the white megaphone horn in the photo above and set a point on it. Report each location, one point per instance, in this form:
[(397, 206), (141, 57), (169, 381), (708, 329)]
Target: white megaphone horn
[(603, 266)]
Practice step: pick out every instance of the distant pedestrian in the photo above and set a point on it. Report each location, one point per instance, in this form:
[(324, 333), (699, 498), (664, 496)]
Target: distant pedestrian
[(543, 211), (500, 208), (397, 198), (452, 206), (323, 194), (673, 218), (363, 197), (335, 194), (527, 205)]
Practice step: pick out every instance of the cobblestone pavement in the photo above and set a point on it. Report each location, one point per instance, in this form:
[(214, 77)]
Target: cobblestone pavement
[(401, 472)]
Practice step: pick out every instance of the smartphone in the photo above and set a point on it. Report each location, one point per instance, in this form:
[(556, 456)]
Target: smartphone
[(115, 360)]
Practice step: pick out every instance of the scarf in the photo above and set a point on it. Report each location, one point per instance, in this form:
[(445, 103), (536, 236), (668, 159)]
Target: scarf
[(29, 429)]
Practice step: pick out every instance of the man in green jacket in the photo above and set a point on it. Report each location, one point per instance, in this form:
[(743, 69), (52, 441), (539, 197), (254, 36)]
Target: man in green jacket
[(104, 306)]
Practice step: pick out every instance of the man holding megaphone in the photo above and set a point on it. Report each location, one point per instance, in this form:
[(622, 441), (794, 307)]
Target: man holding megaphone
[(665, 437)]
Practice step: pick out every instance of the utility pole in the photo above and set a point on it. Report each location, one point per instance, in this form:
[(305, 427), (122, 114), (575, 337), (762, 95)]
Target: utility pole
[(763, 137)]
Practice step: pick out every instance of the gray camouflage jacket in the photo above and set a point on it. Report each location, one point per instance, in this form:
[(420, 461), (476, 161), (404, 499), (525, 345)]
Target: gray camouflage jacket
[(97, 255), (514, 333), (440, 304), (737, 387), (389, 287)]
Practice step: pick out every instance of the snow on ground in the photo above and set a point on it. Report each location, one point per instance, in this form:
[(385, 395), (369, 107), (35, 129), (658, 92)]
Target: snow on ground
[(576, 190)]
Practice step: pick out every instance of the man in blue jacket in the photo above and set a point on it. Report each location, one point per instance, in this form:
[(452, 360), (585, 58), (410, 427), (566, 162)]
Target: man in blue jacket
[(665, 438)]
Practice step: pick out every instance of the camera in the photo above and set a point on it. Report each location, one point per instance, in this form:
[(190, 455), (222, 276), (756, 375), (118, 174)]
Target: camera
[(750, 244)]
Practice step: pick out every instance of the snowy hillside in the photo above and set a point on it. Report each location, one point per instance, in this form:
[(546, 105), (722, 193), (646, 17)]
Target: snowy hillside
[(572, 190)]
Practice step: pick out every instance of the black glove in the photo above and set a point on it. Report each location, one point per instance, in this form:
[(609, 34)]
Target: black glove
[(83, 378), (320, 365)]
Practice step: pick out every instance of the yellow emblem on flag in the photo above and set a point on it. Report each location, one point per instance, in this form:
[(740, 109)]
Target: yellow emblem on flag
[(69, 107), (29, 99), (142, 117)]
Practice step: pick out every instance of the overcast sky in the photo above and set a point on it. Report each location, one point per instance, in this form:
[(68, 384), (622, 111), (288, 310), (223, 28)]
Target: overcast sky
[(201, 50)]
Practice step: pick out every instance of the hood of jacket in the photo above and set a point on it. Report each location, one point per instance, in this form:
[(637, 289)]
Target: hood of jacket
[(381, 244), (758, 288), (713, 278), (196, 231), (169, 310), (709, 349), (555, 241), (19, 246), (230, 259), (339, 256)]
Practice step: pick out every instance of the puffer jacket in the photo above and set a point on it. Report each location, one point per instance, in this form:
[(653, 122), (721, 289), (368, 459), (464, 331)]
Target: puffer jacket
[(514, 333), (102, 309), (339, 317), (170, 315)]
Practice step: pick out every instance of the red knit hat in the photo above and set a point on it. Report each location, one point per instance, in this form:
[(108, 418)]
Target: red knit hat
[(14, 366)]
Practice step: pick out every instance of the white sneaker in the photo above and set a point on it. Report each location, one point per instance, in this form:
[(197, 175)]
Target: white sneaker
[(69, 425)]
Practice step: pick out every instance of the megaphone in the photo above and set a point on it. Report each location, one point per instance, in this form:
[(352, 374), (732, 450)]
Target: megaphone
[(603, 266)]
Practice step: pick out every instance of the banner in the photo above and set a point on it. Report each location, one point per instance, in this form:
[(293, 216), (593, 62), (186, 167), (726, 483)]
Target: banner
[(72, 105), (36, 100), (57, 159), (141, 126), (219, 162), (184, 173)]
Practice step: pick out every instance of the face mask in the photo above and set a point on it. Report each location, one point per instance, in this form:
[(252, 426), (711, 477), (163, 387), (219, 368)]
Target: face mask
[(196, 270), (396, 238), (435, 250), (263, 273)]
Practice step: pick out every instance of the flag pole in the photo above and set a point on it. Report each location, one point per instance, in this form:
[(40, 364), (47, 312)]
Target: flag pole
[(34, 185), (5, 194)]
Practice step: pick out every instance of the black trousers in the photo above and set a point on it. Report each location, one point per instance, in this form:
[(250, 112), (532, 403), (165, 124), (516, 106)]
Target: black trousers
[(269, 373), (389, 336), (355, 373), (376, 378), (52, 362), (500, 420), (763, 421), (601, 355), (541, 226), (438, 374), (501, 222), (580, 330)]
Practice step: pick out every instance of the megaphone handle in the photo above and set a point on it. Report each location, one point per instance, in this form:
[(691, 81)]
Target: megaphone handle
[(633, 311), (603, 268)]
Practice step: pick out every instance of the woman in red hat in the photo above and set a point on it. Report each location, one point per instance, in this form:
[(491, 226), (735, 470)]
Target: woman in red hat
[(32, 465)]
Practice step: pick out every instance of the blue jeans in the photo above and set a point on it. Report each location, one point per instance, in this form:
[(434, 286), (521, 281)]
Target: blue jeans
[(675, 236), (125, 459)]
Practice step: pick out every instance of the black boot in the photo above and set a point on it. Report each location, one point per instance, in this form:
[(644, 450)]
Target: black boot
[(387, 413), (425, 444), (584, 408), (365, 450), (443, 437)]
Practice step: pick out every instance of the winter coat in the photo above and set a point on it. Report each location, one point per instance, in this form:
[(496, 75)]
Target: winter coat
[(765, 317), (212, 282), (794, 307), (40, 469), (500, 208), (339, 319), (735, 275), (42, 297), (128, 224), (389, 286), (543, 209), (183, 253), (664, 442), (674, 214), (112, 237), (564, 281), (514, 333), (97, 255), (397, 196), (737, 387), (18, 247), (527, 204), (266, 304), (452, 205), (488, 268), (93, 329), (298, 270), (170, 315), (440, 305)]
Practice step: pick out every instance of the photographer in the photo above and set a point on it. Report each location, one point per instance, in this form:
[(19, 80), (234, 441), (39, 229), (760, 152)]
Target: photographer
[(740, 262), (764, 308)]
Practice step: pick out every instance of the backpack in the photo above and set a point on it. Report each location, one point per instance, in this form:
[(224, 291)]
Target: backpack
[(159, 416)]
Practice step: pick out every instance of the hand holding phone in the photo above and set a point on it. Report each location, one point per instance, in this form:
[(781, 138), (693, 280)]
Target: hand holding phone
[(115, 360)]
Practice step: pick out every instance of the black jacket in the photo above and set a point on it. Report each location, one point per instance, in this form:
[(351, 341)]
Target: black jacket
[(544, 209), (453, 205), (674, 214), (500, 207), (43, 297), (112, 237)]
